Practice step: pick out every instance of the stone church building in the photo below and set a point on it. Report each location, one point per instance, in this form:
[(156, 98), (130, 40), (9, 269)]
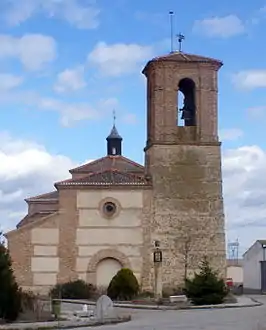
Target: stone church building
[(111, 211)]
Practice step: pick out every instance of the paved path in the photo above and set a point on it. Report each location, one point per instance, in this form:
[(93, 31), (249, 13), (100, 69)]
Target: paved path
[(252, 318)]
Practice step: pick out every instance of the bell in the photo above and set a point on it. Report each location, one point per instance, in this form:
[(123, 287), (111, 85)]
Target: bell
[(186, 115)]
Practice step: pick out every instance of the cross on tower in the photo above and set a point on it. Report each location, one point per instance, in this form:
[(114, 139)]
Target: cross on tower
[(114, 117), (180, 39)]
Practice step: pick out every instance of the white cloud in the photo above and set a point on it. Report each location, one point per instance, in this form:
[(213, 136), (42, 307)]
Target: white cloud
[(32, 50), (130, 118), (70, 112), (75, 12), (230, 134), (119, 59), (244, 176), (70, 80), (25, 170), (257, 112), (224, 27), (9, 81), (249, 79)]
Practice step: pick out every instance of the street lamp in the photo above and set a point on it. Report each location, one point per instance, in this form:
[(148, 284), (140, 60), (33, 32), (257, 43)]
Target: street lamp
[(157, 259), (157, 254)]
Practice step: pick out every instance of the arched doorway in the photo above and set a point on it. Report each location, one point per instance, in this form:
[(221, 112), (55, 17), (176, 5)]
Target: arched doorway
[(106, 269)]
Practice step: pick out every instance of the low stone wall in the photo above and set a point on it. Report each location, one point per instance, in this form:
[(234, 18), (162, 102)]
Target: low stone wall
[(64, 324)]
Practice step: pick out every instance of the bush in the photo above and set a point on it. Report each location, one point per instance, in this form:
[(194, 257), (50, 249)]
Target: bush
[(10, 293), (123, 286), (206, 288), (28, 299), (33, 308), (73, 290)]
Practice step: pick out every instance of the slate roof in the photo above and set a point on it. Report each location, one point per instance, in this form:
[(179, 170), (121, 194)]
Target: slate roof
[(184, 57), (114, 134), (109, 177), (117, 162)]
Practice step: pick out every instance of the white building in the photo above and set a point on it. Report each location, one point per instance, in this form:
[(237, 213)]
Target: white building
[(254, 268), (235, 271)]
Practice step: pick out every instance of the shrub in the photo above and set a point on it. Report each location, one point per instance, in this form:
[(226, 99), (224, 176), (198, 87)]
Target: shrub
[(206, 288), (10, 293), (28, 299), (33, 307), (73, 290), (123, 286)]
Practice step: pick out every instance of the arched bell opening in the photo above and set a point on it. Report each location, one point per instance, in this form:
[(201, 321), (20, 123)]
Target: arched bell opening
[(186, 103)]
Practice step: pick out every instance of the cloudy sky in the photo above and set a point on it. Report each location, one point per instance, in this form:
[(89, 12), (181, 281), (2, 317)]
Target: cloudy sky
[(66, 64)]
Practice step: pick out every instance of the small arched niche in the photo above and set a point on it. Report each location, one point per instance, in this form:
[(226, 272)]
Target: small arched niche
[(186, 103)]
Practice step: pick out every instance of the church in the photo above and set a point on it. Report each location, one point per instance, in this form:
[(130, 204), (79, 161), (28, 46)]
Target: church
[(111, 211)]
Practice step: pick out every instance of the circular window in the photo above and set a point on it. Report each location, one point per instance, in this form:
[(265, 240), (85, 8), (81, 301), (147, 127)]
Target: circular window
[(109, 208)]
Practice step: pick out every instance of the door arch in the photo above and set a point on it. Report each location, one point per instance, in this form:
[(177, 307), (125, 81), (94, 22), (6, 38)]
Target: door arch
[(106, 269), (105, 254)]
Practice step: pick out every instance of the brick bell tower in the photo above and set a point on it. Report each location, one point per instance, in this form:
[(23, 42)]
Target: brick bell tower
[(183, 161)]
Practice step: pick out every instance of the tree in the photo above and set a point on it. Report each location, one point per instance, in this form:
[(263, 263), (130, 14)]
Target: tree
[(10, 293), (123, 286), (184, 243), (206, 288), (185, 250)]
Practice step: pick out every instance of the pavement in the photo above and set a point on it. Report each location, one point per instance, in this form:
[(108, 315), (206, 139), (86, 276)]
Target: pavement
[(238, 318), (210, 319), (242, 301)]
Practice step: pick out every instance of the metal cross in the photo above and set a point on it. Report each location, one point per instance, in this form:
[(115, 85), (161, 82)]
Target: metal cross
[(114, 117), (180, 37)]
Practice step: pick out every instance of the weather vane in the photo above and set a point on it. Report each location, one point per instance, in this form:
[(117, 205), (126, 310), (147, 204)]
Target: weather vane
[(180, 39)]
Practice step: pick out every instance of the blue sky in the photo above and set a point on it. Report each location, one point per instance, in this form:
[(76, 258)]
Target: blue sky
[(66, 64)]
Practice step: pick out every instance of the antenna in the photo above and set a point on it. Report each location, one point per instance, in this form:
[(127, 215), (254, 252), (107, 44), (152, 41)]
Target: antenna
[(233, 250), (171, 14)]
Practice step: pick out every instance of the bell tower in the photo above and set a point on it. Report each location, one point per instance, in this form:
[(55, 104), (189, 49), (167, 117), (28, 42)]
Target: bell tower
[(183, 162)]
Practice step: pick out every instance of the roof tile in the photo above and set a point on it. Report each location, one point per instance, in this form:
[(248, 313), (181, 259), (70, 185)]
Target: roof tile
[(33, 217), (51, 195), (118, 162), (183, 57), (108, 177)]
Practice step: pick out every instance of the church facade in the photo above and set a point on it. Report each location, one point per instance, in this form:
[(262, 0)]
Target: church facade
[(111, 211)]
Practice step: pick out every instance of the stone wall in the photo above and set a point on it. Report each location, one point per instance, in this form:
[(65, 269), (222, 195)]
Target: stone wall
[(187, 206), (119, 236), (34, 253)]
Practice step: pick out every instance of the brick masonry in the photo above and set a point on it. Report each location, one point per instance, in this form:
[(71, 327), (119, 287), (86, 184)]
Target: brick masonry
[(67, 250), (184, 164), (182, 206)]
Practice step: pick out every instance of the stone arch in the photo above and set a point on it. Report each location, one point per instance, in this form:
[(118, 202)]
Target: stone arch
[(101, 255)]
